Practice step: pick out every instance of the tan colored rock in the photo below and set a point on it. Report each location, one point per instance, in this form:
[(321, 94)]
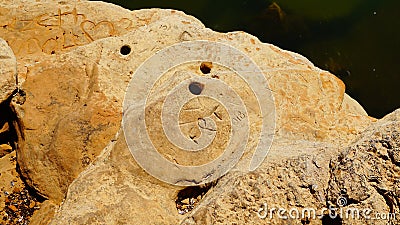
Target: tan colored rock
[(73, 110), (294, 177), (35, 29), (360, 178), (68, 120), (14, 196), (299, 116), (353, 106), (8, 71), (366, 173), (45, 214), (52, 27), (295, 174), (117, 182), (8, 175), (5, 149)]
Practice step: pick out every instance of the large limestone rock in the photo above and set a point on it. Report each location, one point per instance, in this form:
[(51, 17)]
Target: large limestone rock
[(362, 177), (73, 109), (16, 203), (117, 182), (294, 177), (36, 29), (76, 60), (366, 173)]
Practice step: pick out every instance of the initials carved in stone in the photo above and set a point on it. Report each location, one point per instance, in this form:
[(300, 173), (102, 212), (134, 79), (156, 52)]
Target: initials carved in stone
[(53, 32)]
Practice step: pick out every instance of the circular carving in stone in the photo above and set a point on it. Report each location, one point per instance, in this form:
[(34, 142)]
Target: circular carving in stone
[(187, 127)]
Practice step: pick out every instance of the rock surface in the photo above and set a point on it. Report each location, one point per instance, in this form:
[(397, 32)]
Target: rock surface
[(72, 111), (74, 71), (362, 177), (17, 205), (8, 71), (366, 173), (16, 202)]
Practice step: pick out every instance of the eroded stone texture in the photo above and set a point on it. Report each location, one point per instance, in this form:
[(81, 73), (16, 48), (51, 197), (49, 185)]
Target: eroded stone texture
[(363, 176), (73, 110), (294, 176), (36, 29), (120, 192), (67, 122), (367, 173), (309, 108), (16, 202)]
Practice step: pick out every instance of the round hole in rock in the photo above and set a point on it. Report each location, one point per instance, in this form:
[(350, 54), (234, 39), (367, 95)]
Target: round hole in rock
[(125, 50), (196, 88), (205, 67)]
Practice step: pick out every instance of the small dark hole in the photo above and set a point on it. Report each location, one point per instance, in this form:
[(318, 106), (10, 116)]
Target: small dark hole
[(125, 50), (196, 88), (193, 191), (205, 67)]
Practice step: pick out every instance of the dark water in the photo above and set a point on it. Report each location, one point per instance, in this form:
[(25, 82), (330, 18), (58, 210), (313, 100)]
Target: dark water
[(357, 40)]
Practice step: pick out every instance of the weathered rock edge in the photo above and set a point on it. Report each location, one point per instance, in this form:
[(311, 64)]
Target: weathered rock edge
[(312, 107), (363, 175)]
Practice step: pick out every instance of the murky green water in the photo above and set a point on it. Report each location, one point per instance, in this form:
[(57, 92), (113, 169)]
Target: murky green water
[(357, 40)]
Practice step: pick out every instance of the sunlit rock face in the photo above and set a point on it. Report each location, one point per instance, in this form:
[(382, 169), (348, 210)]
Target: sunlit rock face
[(8, 71), (75, 63)]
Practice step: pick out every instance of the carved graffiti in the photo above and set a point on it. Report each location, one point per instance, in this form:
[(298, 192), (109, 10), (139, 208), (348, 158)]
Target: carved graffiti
[(50, 33), (98, 30), (239, 117)]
